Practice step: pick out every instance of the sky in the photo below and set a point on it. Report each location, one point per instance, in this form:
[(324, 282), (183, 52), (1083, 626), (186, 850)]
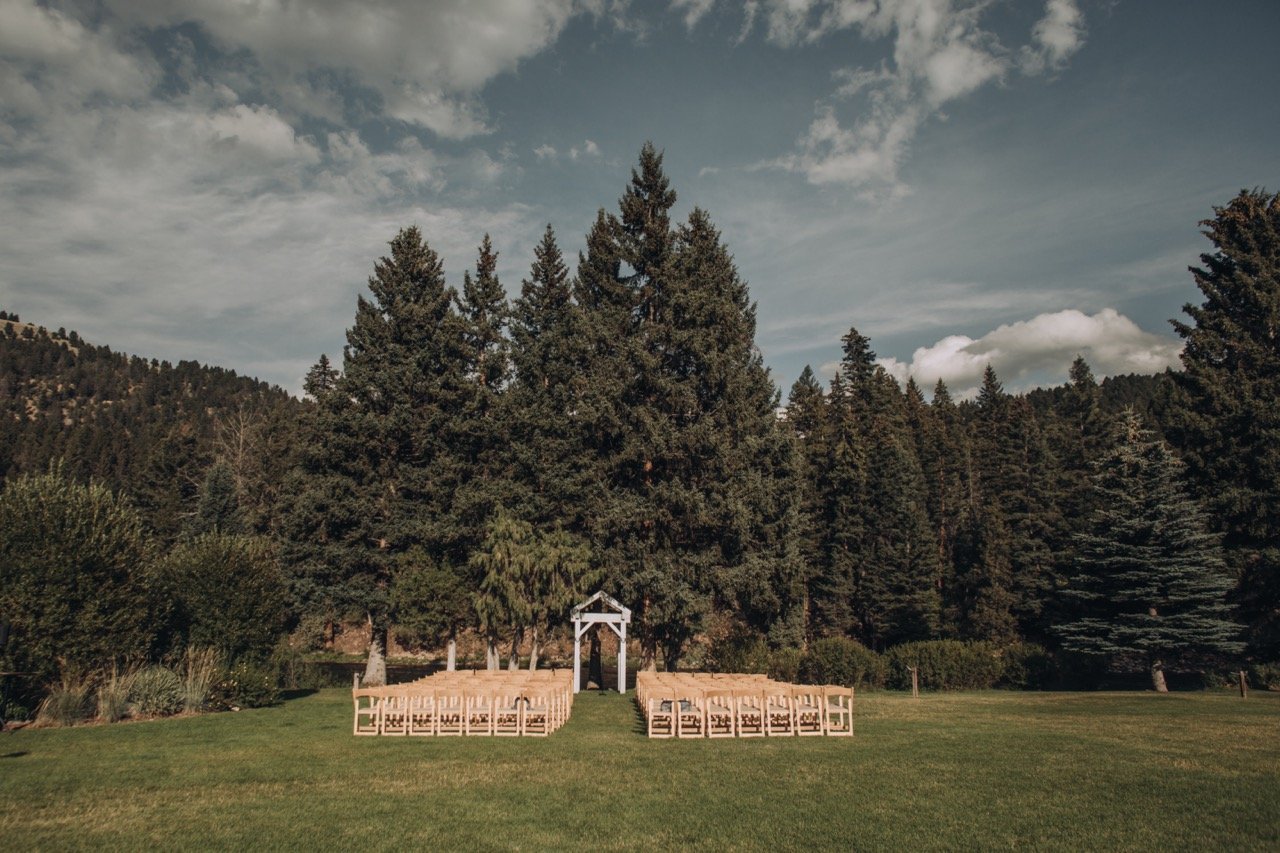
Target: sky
[(1004, 182)]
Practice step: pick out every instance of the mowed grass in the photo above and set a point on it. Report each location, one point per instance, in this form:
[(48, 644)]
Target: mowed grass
[(972, 771)]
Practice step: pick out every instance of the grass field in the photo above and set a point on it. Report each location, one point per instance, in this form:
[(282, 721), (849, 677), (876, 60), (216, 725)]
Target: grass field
[(951, 771)]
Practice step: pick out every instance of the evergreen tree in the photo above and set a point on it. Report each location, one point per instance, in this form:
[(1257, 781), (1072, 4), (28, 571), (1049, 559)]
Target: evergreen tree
[(551, 470), (379, 475), (218, 510), (1149, 576), (1226, 418)]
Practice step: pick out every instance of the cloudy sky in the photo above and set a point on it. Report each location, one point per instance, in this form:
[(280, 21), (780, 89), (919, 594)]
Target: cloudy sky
[(1003, 181)]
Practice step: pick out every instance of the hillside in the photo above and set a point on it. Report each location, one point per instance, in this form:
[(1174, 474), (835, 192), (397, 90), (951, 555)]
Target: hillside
[(145, 427)]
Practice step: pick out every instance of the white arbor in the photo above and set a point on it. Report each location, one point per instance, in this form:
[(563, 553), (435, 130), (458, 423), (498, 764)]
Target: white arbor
[(608, 611)]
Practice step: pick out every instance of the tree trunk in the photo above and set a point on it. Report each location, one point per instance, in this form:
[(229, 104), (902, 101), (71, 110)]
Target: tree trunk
[(533, 651), (452, 662), (648, 655), (491, 654), (1157, 677), (375, 669), (514, 662)]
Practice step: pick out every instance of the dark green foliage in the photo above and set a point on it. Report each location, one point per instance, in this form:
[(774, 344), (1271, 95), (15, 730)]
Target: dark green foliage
[(228, 593), (840, 660), (247, 684), (739, 649), (430, 603), (1225, 414), (943, 665), (218, 507), (1027, 666), (678, 419), (72, 577), (1149, 579)]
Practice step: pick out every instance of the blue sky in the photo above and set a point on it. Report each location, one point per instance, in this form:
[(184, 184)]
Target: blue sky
[(967, 183)]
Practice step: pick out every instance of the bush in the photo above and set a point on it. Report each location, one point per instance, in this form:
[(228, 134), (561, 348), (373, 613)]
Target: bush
[(1264, 676), (1027, 666), (247, 685), (74, 591), (740, 649), (113, 696), (67, 702), (230, 594), (784, 664), (944, 665), (157, 692), (840, 660)]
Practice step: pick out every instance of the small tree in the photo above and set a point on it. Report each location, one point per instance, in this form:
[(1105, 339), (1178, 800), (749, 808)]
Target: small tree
[(73, 587), (1149, 578)]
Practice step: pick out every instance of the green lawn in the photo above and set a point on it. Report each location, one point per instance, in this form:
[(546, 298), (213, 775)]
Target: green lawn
[(952, 771)]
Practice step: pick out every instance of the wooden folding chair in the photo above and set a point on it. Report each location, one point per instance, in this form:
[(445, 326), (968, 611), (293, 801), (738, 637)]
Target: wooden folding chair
[(394, 716), (508, 713), (718, 707), (661, 712), (807, 705), (837, 710), (779, 713), (451, 713), (422, 713), (749, 713), (536, 720), (368, 713), (691, 720), (479, 713)]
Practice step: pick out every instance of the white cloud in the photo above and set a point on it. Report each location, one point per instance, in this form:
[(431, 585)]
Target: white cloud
[(545, 152), (1058, 35), (426, 60), (941, 53), (1047, 343), (694, 10)]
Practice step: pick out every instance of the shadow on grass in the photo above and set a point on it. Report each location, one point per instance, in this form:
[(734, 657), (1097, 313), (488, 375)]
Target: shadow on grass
[(287, 695), (14, 754)]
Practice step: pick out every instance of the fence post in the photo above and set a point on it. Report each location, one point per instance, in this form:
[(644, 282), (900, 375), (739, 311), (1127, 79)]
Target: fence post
[(915, 682), (1244, 686)]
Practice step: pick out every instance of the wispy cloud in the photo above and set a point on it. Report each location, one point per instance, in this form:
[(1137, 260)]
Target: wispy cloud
[(941, 53)]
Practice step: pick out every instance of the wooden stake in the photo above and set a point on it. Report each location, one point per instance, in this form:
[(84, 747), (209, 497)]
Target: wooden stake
[(915, 681), (1244, 686)]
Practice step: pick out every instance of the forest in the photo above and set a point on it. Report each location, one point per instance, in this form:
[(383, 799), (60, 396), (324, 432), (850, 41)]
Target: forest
[(475, 464)]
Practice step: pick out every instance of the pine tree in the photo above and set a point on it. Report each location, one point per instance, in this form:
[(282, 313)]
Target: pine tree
[(1227, 416), (1149, 578)]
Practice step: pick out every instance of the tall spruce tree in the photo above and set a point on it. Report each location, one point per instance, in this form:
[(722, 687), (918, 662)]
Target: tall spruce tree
[(1149, 578), (1226, 417), (679, 422), (378, 475)]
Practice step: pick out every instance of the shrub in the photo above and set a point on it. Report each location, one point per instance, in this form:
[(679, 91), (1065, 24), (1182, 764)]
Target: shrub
[(784, 664), (247, 685), (840, 660), (66, 703), (230, 594), (944, 665), (1264, 676), (1027, 666), (740, 649), (157, 691), (73, 590), (113, 696)]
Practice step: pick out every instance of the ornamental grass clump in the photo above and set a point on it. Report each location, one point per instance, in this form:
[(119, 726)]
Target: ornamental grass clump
[(157, 692), (67, 702), (203, 666), (113, 695)]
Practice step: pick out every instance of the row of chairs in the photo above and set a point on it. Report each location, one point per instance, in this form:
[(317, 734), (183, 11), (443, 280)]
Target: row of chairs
[(715, 705), (469, 702)]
